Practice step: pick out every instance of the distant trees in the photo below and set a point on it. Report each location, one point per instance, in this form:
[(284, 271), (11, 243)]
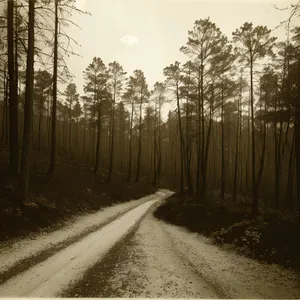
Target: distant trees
[(116, 78), (159, 99), (140, 88), (130, 98), (205, 44), (96, 84), (174, 81), (254, 43), (43, 88), (71, 98)]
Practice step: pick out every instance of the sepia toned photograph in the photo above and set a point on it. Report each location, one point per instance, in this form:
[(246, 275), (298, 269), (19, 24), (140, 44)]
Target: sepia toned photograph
[(150, 149)]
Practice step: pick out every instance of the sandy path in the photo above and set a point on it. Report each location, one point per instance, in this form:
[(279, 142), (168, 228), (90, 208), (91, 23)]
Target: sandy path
[(137, 255), (170, 262), (50, 277), (15, 251)]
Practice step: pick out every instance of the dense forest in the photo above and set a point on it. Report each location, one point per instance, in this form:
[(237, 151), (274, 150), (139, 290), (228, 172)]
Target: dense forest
[(233, 133)]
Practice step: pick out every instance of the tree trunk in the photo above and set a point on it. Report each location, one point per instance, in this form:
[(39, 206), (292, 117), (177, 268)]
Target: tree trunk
[(122, 140), (28, 106), (13, 101), (48, 124), (154, 151), (84, 136), (199, 142), (255, 210), (181, 143), (112, 142), (204, 188), (237, 146), (262, 158), (248, 150), (16, 62), (276, 158), (70, 136), (297, 151), (223, 146), (159, 167), (154, 159), (98, 140), (54, 104), (188, 143), (140, 146), (130, 144), (4, 111), (40, 123), (289, 190)]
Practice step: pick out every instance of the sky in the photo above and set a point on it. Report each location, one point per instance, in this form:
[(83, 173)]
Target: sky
[(147, 34)]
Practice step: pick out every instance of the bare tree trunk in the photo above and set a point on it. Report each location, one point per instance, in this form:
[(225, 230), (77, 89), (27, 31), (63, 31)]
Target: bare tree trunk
[(48, 124), (13, 101), (204, 188), (140, 146), (181, 143), (276, 156), (237, 142), (154, 156), (199, 142), (289, 193), (248, 150), (4, 111), (297, 151), (40, 123), (98, 140), (159, 148), (223, 146), (70, 136), (130, 144), (122, 140), (202, 135), (154, 151), (262, 158), (16, 60), (84, 136), (54, 104), (112, 142), (28, 106), (255, 210)]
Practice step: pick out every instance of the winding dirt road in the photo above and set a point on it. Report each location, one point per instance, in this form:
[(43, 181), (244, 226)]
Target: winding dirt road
[(125, 252)]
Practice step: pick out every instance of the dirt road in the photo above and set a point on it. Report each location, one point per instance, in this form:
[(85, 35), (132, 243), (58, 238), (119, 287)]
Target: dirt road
[(135, 255)]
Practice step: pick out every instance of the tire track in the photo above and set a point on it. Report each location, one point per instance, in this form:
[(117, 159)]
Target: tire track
[(52, 276), (27, 263)]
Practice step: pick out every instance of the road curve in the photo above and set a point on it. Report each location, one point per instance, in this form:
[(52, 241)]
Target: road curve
[(136, 255), (159, 260), (50, 277)]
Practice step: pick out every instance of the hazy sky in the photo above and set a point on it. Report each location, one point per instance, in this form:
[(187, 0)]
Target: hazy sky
[(147, 34)]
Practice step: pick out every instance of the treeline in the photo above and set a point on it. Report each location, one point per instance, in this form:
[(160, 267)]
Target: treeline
[(234, 132)]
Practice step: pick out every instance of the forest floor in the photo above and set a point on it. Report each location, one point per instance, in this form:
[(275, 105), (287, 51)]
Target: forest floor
[(268, 238), (74, 190)]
